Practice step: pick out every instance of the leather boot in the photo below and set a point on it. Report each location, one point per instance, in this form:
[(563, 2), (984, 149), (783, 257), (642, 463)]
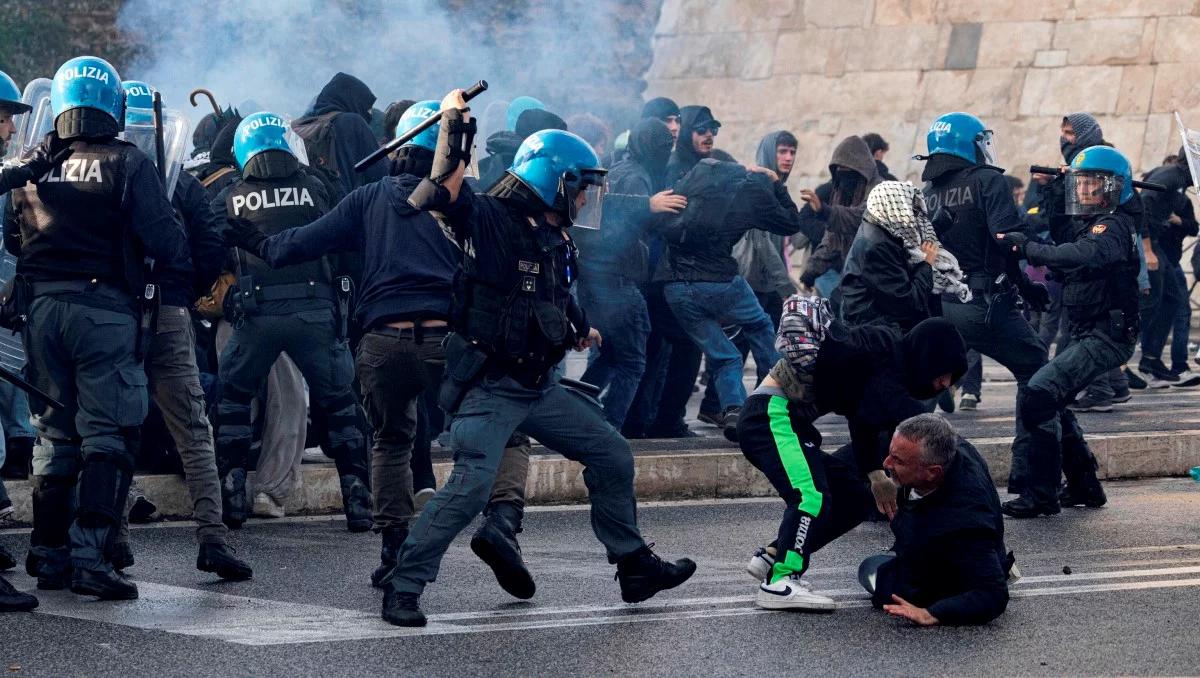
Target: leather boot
[(219, 559), (496, 544), (356, 501), (643, 574), (234, 504), (393, 539)]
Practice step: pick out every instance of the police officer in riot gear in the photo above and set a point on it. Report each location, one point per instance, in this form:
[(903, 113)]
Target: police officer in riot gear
[(971, 203), (18, 174), (294, 309), (1099, 268), (514, 320), (81, 234)]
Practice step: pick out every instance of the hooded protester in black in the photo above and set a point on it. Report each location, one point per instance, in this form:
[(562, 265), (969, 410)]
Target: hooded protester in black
[(221, 168), (660, 108), (853, 174), (502, 146), (685, 156), (337, 132)]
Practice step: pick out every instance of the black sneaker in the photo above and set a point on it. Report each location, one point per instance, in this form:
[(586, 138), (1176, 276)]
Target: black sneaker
[(104, 585), (402, 608), (1026, 507), (969, 402), (1135, 380), (235, 506), (946, 401), (1156, 373), (1122, 396), (712, 418), (143, 511), (1090, 403), (219, 559), (643, 574), (730, 421), (12, 600)]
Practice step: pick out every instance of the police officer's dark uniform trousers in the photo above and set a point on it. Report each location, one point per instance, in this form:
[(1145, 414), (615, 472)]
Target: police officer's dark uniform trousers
[(83, 233), (1100, 295), (294, 310)]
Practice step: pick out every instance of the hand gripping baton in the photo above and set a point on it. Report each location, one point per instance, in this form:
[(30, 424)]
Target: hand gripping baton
[(468, 94)]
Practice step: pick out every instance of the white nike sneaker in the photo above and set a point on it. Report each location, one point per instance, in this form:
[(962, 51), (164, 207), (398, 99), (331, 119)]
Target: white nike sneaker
[(1187, 378), (760, 564), (792, 593)]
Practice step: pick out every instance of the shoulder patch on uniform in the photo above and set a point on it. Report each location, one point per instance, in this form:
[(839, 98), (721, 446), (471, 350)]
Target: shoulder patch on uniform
[(1099, 228)]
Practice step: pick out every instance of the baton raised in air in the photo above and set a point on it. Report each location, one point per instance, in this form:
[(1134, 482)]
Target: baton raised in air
[(1054, 171), (468, 94), (29, 388)]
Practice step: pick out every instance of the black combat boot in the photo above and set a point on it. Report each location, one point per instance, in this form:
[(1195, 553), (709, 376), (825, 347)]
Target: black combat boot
[(104, 584), (1026, 506), (12, 600), (402, 608), (356, 502), (643, 574), (120, 556), (235, 506), (496, 544), (219, 559), (1089, 494), (393, 539)]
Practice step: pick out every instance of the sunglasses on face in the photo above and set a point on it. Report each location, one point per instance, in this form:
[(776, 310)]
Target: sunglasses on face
[(707, 129)]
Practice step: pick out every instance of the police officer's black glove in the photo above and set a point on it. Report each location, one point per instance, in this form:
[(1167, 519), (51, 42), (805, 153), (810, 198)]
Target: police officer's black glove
[(41, 163), (244, 234), (1014, 242), (1035, 294)]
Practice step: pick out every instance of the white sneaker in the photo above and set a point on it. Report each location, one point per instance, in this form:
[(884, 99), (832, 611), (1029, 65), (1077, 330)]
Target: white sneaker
[(1187, 378), (792, 593), (760, 564), (266, 507), (421, 497)]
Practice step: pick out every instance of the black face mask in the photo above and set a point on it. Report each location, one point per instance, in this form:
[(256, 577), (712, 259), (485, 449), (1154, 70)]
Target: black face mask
[(846, 183), (1069, 149)]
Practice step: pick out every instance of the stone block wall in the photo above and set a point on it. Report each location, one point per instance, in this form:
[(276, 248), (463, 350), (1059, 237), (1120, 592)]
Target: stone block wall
[(825, 69)]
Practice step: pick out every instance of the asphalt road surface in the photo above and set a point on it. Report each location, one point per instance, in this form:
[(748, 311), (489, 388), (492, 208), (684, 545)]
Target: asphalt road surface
[(1127, 606)]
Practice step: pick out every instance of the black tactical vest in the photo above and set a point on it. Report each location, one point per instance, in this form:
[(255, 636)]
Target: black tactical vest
[(969, 239), (275, 205), (517, 306), (1089, 295), (73, 222)]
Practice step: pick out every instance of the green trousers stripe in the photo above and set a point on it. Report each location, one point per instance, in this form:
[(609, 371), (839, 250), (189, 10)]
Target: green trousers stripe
[(791, 453)]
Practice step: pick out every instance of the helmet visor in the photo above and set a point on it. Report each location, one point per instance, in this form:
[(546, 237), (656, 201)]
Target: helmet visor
[(592, 185), (985, 144), (1090, 192)]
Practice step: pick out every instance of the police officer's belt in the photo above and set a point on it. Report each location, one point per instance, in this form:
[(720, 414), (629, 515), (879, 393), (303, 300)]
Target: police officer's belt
[(89, 293), (306, 290)]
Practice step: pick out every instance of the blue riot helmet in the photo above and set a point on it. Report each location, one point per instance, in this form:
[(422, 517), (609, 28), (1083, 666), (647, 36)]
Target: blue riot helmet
[(964, 136), (10, 96), (415, 115), (519, 106), (259, 133), (557, 166), (1098, 180), (87, 99), (139, 102)]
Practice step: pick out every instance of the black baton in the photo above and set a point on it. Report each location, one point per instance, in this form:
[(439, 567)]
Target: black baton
[(1054, 171), (362, 165), (29, 388)]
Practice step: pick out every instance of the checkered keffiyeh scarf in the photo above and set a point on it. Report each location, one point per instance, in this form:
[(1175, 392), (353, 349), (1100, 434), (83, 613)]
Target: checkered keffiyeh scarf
[(899, 208), (802, 328)]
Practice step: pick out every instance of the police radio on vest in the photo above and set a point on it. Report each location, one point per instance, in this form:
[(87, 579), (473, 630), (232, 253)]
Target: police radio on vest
[(76, 170), (286, 196), (85, 72)]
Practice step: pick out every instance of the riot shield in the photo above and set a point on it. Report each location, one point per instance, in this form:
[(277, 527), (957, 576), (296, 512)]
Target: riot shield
[(139, 131), (36, 124), (1191, 148)]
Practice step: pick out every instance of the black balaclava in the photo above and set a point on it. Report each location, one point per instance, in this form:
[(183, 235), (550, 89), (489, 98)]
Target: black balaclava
[(347, 94), (1087, 134), (650, 144), (206, 131), (660, 108), (932, 348), (536, 120)]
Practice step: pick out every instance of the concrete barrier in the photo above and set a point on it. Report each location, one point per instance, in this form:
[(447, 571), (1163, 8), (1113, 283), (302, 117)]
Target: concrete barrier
[(715, 473)]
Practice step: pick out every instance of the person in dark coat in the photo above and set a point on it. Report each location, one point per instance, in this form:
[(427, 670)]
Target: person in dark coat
[(950, 565), (338, 129), (853, 175)]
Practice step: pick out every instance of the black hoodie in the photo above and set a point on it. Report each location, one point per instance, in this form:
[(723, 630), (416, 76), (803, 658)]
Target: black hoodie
[(353, 139), (685, 156), (875, 377)]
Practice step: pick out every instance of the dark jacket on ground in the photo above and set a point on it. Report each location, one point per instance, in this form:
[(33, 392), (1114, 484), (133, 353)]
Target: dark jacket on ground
[(184, 281), (841, 219), (1160, 205), (700, 239), (950, 553), (875, 378), (881, 285), (351, 100), (410, 263)]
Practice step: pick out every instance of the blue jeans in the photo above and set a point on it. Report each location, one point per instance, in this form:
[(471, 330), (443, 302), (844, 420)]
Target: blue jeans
[(703, 308), (14, 415), (616, 308), (1172, 314)]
